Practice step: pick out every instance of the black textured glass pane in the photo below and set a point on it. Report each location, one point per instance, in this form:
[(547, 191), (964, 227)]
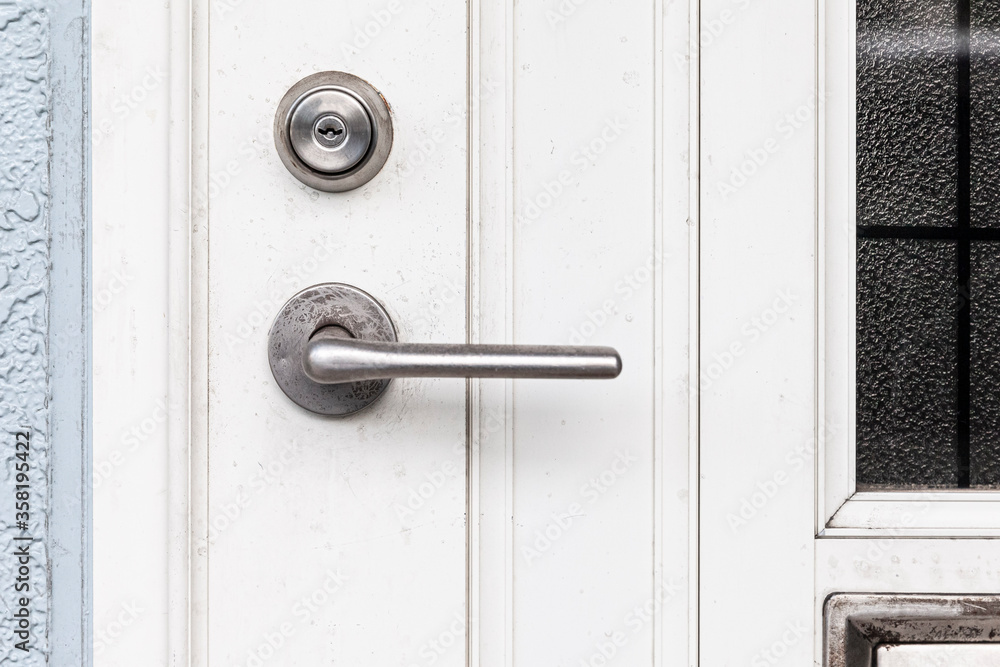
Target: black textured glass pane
[(985, 122), (906, 90), (906, 367), (985, 366)]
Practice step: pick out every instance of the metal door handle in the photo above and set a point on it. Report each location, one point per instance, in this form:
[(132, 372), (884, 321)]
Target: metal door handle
[(333, 350), (333, 356)]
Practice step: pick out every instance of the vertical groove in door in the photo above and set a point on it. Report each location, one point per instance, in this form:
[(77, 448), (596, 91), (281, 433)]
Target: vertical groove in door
[(676, 185), (693, 248), (675, 530), (473, 306), (658, 332), (190, 609), (490, 319), (694, 350), (180, 385), (507, 224)]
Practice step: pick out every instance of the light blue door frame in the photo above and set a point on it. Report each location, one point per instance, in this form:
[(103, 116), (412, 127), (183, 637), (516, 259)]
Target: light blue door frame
[(45, 563)]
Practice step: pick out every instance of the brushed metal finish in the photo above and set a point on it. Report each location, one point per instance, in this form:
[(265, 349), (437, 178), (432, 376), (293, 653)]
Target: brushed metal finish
[(330, 131), (332, 358), (321, 127), (312, 309), (333, 350)]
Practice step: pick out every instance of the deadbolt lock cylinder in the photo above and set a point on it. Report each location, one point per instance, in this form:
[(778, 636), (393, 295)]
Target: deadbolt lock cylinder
[(333, 131)]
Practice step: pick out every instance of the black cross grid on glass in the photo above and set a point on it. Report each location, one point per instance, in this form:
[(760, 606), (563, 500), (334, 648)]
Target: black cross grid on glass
[(963, 233)]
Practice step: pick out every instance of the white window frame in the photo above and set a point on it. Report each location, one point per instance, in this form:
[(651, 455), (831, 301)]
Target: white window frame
[(843, 511)]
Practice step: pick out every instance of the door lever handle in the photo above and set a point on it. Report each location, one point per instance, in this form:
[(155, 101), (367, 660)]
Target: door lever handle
[(333, 356), (333, 350)]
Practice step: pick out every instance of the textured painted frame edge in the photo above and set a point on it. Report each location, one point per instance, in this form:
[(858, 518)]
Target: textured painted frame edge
[(70, 630)]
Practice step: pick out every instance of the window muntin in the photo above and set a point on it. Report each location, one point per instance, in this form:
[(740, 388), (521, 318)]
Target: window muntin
[(928, 246)]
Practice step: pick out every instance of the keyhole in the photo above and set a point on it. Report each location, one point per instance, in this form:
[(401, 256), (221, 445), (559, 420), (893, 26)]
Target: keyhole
[(331, 131)]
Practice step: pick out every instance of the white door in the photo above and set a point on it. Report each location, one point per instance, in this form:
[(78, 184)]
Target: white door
[(677, 181), (537, 191)]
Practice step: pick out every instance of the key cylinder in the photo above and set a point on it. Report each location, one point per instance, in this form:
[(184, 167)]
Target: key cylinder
[(333, 131)]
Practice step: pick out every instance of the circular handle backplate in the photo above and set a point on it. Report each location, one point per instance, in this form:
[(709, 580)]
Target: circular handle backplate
[(312, 309)]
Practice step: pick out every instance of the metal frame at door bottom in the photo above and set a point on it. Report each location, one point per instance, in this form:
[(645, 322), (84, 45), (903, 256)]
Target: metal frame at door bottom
[(856, 626)]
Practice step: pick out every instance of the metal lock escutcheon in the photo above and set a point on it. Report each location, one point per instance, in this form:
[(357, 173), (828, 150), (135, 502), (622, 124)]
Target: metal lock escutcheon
[(333, 131)]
